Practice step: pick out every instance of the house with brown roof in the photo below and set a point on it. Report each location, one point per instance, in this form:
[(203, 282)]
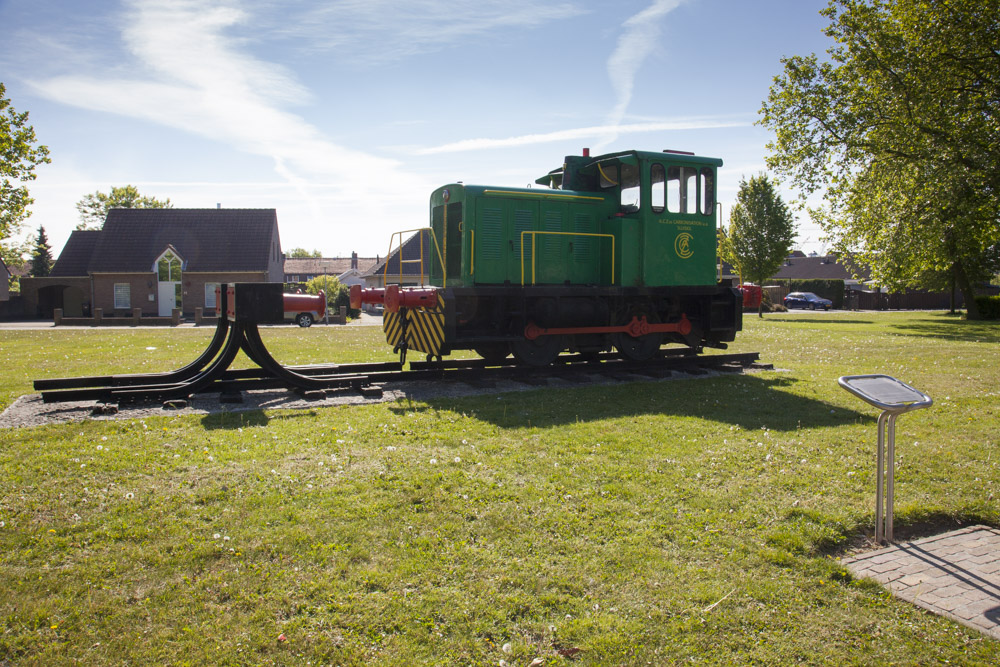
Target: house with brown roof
[(408, 264), (158, 260), (348, 270), (799, 266)]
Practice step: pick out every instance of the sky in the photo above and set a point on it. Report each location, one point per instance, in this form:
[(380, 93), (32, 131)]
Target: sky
[(344, 115)]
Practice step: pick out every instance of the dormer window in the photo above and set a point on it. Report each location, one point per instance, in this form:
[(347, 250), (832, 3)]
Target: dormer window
[(168, 267)]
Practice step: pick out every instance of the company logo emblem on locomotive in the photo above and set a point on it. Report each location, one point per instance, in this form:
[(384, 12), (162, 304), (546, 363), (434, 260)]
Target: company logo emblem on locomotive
[(682, 245)]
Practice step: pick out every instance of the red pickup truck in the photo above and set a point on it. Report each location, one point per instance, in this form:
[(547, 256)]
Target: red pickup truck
[(304, 309)]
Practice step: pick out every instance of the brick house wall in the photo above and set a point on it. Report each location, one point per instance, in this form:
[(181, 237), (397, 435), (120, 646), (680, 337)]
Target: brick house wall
[(35, 291), (143, 288)]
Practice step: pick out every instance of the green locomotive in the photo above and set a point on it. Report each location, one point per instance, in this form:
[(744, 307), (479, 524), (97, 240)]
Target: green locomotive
[(619, 250)]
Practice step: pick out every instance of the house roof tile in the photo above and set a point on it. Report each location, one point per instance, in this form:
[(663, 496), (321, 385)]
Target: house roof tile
[(208, 240), (410, 250), (317, 266), (75, 256), (827, 267)]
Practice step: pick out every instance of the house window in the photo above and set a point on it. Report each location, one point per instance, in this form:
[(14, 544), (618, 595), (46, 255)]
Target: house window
[(123, 296), (168, 268), (210, 301)]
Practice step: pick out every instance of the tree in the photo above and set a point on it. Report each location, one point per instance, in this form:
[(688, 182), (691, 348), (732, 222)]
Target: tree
[(899, 126), (302, 252), (761, 231), (337, 293), (41, 256), (93, 208), (13, 253), (18, 158)]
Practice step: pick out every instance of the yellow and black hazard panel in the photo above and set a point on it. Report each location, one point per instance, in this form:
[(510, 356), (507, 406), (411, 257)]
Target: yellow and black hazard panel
[(415, 319), (392, 325), (425, 328)]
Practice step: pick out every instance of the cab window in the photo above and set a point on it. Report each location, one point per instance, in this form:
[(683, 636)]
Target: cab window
[(707, 191), (682, 190), (657, 190), (609, 175), (630, 187)]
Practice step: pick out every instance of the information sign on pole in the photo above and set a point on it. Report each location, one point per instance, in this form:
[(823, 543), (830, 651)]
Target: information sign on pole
[(894, 398)]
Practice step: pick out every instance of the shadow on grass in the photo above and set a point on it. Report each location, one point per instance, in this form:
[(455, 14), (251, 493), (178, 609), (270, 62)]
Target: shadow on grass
[(907, 526), (948, 327), (749, 401), (814, 320), (234, 420)]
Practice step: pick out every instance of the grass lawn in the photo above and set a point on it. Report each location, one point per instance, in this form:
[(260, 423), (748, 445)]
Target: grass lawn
[(654, 522)]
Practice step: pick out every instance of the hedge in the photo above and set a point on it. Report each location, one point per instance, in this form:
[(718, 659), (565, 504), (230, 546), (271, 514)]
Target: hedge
[(989, 307)]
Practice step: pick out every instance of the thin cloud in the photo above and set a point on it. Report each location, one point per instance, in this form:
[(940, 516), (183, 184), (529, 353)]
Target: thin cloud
[(388, 30), (640, 37), (197, 79), (584, 133)]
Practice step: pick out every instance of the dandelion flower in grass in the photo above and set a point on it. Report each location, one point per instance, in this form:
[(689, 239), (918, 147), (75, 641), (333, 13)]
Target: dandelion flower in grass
[(129, 496), (2, 524), (225, 539), (390, 448), (100, 447), (216, 536), (458, 460), (433, 461)]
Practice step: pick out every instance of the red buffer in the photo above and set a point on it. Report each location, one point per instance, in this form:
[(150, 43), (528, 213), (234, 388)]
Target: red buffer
[(361, 296), (413, 297)]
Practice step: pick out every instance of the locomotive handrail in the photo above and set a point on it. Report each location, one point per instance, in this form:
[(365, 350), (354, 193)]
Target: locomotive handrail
[(717, 209), (534, 245), (444, 269)]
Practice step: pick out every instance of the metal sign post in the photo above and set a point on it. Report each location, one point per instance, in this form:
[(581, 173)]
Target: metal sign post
[(894, 398)]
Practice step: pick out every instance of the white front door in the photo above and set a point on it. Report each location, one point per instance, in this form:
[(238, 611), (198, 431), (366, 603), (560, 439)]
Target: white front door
[(167, 297)]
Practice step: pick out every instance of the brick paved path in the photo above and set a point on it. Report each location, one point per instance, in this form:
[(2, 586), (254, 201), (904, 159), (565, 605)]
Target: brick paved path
[(956, 574)]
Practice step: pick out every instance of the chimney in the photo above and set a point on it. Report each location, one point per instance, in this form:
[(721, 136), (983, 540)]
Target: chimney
[(218, 206), (354, 260)]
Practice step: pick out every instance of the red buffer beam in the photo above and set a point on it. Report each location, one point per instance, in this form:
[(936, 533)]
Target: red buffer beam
[(637, 327)]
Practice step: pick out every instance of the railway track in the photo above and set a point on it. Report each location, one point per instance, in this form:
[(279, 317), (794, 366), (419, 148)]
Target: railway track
[(372, 379), (211, 372)]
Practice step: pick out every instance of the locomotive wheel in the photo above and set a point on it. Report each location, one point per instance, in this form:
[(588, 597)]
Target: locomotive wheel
[(643, 347), (493, 353), (539, 352)]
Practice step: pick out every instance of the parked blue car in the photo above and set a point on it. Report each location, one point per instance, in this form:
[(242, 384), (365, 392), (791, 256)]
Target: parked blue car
[(807, 300)]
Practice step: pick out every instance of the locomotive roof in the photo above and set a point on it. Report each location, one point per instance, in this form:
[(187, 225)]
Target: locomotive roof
[(584, 164)]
